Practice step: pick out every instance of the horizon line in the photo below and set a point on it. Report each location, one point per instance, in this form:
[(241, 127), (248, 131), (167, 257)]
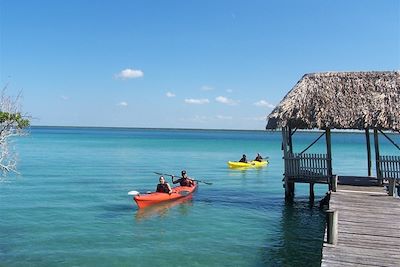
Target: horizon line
[(147, 128), (192, 129)]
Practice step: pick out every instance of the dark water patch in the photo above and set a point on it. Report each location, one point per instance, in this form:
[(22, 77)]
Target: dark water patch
[(300, 238), (10, 236), (245, 199)]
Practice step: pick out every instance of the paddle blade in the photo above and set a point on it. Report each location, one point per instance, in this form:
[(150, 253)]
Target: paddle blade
[(203, 182), (133, 193)]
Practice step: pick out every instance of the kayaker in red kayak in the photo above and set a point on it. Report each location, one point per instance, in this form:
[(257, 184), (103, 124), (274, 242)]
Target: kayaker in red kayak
[(163, 187), (184, 180)]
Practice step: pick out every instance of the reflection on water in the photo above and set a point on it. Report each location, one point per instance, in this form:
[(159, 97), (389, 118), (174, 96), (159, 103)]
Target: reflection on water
[(301, 236), (245, 172), (162, 209)]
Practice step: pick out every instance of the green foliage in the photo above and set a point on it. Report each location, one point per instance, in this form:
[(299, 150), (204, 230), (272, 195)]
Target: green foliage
[(14, 119)]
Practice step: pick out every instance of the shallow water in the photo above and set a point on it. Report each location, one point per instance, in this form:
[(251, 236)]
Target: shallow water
[(70, 205)]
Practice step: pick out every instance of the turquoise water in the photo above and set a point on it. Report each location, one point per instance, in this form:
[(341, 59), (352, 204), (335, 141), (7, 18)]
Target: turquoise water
[(69, 206)]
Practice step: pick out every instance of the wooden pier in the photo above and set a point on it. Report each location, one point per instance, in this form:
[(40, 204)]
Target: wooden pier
[(367, 228), (363, 225)]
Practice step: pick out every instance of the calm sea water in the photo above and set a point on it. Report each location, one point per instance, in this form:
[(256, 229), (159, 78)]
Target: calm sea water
[(69, 206)]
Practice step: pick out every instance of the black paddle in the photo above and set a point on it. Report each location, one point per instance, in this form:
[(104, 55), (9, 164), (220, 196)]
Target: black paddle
[(182, 177)]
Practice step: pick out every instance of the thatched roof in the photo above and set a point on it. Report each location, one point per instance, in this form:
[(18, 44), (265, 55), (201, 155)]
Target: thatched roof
[(341, 100)]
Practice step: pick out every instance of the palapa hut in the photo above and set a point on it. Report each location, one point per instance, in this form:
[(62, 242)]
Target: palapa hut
[(338, 100)]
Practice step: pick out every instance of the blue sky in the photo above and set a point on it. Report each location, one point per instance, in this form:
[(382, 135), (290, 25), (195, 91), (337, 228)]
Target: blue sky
[(219, 64)]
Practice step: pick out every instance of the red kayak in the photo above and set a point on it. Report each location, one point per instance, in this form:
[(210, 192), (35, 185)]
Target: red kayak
[(178, 192)]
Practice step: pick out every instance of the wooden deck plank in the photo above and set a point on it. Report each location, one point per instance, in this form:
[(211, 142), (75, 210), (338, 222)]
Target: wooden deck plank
[(368, 228), (375, 246), (335, 263)]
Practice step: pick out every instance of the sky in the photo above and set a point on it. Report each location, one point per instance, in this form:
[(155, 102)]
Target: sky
[(210, 64)]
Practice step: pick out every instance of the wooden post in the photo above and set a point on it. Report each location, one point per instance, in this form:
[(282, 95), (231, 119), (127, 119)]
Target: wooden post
[(290, 140), (285, 154), (289, 136), (392, 187), (289, 186), (378, 169), (332, 226), (311, 192), (291, 189), (329, 155), (368, 151), (334, 183)]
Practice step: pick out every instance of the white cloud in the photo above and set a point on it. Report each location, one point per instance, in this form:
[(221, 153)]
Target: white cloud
[(207, 88), (129, 74), (63, 97), (222, 117), (197, 101), (229, 90), (263, 103), (225, 100), (122, 104), (169, 94)]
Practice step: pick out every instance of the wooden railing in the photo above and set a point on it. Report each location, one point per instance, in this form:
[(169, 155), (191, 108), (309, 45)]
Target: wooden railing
[(389, 169), (306, 166)]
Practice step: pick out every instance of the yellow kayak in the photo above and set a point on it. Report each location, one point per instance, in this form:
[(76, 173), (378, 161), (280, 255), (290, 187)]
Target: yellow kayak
[(237, 164)]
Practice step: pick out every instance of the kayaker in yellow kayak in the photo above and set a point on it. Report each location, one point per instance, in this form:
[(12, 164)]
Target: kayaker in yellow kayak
[(163, 187), (184, 180), (243, 159), (258, 158)]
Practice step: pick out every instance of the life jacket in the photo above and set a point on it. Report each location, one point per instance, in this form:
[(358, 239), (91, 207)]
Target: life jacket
[(185, 182), (243, 160), (162, 188)]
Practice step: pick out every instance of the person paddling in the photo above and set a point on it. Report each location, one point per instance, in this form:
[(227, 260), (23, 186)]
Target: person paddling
[(163, 187), (258, 158), (243, 159), (184, 180)]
